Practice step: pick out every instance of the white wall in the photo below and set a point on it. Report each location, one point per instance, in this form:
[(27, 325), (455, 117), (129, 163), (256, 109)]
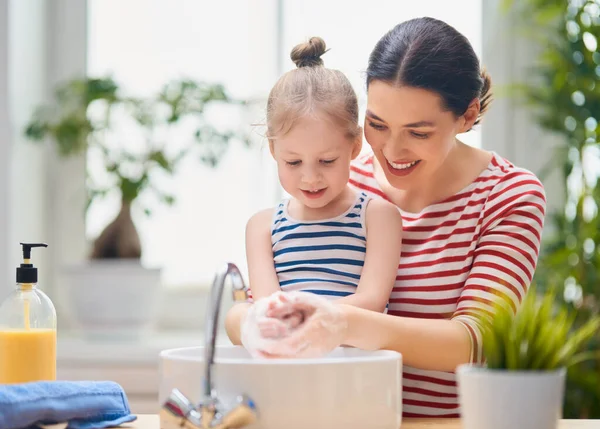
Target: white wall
[(23, 165), (5, 150), (508, 128), (28, 165)]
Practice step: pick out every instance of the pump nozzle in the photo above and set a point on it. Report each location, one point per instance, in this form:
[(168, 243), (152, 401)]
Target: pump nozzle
[(27, 273), (27, 248)]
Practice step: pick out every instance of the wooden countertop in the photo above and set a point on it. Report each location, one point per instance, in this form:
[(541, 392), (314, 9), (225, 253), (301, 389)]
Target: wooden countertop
[(151, 422)]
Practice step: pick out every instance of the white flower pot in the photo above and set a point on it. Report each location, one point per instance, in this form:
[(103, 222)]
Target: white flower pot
[(498, 399), (113, 298)]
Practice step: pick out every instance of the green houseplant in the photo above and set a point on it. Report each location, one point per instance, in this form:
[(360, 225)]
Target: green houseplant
[(563, 93), (527, 354), (81, 118), (94, 116)]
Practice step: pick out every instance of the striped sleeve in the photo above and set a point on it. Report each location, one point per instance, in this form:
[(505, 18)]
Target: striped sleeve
[(506, 255)]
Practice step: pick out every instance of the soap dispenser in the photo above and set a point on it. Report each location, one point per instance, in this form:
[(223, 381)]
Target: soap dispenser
[(27, 328)]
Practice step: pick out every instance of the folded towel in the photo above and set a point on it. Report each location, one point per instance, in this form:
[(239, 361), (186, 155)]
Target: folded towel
[(83, 404)]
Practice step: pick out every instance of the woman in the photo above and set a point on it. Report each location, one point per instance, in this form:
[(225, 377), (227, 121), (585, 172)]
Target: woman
[(472, 221)]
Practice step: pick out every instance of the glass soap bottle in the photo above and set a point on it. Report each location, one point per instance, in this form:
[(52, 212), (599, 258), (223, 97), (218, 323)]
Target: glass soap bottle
[(27, 328)]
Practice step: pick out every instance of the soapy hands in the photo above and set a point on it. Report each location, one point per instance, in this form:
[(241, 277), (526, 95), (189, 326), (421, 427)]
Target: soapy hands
[(293, 325)]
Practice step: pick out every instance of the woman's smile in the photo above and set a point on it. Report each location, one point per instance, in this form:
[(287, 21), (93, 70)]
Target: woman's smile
[(402, 168)]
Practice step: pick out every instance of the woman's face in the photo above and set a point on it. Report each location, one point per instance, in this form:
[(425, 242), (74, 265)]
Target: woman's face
[(410, 134)]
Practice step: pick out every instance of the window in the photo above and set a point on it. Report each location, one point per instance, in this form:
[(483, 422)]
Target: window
[(145, 43), (244, 45)]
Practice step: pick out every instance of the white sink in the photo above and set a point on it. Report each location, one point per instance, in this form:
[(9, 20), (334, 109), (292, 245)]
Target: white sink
[(349, 388)]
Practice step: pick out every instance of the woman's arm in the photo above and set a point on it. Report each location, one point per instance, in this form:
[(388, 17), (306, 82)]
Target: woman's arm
[(507, 253), (384, 241), (503, 266), (439, 345)]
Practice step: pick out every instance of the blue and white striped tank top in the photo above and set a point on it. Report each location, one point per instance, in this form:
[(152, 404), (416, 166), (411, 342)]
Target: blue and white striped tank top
[(320, 256)]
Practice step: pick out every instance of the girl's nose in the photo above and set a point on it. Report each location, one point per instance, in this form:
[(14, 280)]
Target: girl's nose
[(311, 176)]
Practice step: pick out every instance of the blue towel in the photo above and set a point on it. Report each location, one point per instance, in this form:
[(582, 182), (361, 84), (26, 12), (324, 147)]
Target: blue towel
[(83, 404)]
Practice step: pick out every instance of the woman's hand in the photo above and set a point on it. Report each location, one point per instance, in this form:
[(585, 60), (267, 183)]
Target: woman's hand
[(293, 325)]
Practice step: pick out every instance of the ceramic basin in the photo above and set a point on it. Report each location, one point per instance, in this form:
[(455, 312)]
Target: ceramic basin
[(349, 388)]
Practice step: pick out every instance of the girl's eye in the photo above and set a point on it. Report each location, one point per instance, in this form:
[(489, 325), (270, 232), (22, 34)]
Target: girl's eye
[(293, 163), (376, 126), (328, 161), (419, 135)]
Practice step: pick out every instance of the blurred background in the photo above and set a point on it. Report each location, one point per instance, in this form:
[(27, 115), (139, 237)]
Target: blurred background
[(141, 120)]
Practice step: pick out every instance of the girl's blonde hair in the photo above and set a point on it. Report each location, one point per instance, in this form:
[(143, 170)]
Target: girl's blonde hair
[(311, 89)]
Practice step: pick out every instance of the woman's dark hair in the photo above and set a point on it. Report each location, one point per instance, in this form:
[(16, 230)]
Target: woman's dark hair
[(430, 54)]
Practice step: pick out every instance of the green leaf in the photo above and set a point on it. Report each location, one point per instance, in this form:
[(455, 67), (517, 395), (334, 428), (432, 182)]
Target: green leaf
[(535, 337), (160, 158), (169, 199)]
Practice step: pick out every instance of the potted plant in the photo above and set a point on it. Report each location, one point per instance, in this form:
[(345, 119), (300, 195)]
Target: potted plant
[(113, 291), (527, 354)]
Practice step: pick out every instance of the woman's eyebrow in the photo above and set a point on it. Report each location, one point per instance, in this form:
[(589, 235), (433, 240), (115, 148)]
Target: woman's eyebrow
[(373, 115), (418, 124)]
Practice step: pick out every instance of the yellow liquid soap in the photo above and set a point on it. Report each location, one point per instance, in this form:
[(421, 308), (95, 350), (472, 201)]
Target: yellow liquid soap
[(27, 354)]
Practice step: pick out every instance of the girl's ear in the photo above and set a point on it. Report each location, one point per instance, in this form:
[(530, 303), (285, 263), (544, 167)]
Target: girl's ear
[(357, 143), (272, 148)]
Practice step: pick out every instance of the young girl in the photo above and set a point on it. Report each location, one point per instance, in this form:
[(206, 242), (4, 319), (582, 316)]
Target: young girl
[(326, 238)]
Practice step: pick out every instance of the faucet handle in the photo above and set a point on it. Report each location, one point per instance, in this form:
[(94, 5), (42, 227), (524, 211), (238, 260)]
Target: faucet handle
[(208, 410), (178, 411), (241, 414)]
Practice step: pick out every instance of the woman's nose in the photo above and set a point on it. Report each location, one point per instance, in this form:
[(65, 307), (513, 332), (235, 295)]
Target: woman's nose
[(398, 148), (398, 143)]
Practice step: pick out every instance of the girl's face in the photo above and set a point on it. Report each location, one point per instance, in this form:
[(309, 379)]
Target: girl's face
[(411, 135), (313, 160)]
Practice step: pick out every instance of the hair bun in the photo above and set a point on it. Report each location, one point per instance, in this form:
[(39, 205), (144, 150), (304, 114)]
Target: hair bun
[(309, 54), (485, 96)]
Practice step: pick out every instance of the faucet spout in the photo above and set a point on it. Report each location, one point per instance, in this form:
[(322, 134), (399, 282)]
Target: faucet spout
[(178, 411), (240, 293)]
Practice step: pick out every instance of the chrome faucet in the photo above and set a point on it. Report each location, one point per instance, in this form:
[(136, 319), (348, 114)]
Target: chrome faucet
[(178, 411)]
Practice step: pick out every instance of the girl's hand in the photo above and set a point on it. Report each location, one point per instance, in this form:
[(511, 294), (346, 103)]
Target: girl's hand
[(297, 325), (281, 317)]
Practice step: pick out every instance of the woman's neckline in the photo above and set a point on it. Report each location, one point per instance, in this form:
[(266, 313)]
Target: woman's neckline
[(370, 161)]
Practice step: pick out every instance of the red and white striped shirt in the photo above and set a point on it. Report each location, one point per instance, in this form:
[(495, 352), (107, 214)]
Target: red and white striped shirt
[(457, 255)]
